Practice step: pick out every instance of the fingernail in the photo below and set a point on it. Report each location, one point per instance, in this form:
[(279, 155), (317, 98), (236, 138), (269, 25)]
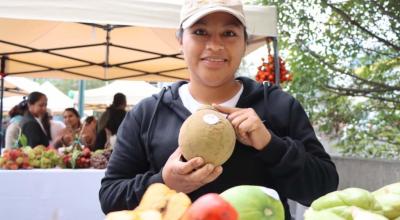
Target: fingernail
[(210, 167)]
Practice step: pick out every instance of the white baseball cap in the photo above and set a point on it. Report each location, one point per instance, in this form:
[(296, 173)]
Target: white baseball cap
[(193, 10)]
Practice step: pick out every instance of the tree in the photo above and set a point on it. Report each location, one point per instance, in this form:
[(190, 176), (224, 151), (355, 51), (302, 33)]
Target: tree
[(345, 57), (67, 85)]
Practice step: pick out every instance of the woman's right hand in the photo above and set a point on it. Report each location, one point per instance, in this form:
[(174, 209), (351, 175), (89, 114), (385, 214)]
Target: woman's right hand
[(67, 139), (188, 176)]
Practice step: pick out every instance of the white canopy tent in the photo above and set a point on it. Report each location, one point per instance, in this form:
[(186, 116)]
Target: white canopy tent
[(57, 101), (102, 97), (104, 39), (18, 86)]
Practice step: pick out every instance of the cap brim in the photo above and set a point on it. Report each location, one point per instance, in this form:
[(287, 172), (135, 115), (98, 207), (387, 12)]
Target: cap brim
[(197, 16)]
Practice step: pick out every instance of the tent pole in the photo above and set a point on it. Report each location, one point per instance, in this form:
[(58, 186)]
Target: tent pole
[(81, 103), (276, 60), (2, 75)]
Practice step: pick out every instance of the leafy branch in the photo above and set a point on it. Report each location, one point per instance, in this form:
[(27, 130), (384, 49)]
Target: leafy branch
[(348, 19)]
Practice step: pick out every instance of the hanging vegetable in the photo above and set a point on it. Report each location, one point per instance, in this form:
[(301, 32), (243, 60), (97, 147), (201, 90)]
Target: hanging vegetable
[(266, 71)]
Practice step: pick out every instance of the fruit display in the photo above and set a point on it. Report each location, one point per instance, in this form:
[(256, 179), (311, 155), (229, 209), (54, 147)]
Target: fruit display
[(13, 159), (75, 158), (244, 202), (207, 134), (159, 202), (27, 158), (99, 158), (211, 206), (255, 202), (358, 204), (266, 71), (43, 157)]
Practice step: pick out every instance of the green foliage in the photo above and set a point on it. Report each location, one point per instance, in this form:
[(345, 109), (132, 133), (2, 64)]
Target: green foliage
[(22, 139), (345, 58), (66, 85)]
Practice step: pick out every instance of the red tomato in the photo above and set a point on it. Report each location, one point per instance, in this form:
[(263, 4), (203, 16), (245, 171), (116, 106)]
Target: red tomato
[(210, 206)]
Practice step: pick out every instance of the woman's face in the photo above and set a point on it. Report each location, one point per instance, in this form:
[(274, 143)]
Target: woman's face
[(38, 108), (70, 119), (213, 48)]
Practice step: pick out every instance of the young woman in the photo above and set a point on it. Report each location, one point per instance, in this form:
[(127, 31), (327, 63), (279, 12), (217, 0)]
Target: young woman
[(31, 124), (72, 129), (13, 129), (276, 145)]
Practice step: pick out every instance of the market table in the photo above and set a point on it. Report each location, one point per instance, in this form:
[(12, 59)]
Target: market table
[(50, 194)]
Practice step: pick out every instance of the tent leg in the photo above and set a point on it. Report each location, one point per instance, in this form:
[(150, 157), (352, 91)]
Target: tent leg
[(276, 61), (81, 103), (2, 75)]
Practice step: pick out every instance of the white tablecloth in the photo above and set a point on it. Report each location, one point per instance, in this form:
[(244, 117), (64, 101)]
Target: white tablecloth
[(50, 194)]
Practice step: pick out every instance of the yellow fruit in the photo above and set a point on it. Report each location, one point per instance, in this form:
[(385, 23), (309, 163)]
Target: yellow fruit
[(207, 134)]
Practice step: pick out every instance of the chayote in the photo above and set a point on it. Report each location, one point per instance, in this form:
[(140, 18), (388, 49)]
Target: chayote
[(347, 197), (389, 198)]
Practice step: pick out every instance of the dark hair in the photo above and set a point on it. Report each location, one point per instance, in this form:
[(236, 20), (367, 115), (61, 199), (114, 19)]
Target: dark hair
[(89, 119), (119, 100), (46, 123), (114, 120), (74, 111), (19, 109), (33, 97)]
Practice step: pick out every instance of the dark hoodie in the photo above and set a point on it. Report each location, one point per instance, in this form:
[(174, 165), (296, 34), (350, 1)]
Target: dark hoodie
[(294, 163)]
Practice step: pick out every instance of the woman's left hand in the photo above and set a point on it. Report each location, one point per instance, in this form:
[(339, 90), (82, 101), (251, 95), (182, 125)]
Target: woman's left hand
[(249, 128)]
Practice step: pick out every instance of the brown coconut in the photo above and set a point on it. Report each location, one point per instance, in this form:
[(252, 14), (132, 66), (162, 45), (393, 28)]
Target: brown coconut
[(207, 134)]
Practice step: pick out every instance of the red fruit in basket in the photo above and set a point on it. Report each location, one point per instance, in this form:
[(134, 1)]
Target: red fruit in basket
[(86, 152), (14, 154), (210, 206)]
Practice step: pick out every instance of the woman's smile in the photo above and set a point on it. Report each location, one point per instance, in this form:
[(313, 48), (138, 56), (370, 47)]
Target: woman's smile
[(214, 62)]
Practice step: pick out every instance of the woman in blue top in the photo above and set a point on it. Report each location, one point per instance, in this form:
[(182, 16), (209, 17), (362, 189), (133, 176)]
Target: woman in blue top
[(13, 131)]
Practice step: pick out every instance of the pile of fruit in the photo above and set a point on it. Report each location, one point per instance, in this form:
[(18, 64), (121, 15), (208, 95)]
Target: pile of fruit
[(241, 202), (13, 159), (357, 204), (27, 158), (48, 157), (266, 71)]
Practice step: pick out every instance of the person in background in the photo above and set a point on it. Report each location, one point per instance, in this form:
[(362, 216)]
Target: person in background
[(70, 133), (119, 102), (31, 123), (106, 136), (88, 132), (54, 127), (13, 130), (276, 146)]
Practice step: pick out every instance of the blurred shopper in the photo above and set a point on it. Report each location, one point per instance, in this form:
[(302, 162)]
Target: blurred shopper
[(88, 132), (70, 133), (119, 102), (31, 123), (106, 136), (13, 129), (52, 126)]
